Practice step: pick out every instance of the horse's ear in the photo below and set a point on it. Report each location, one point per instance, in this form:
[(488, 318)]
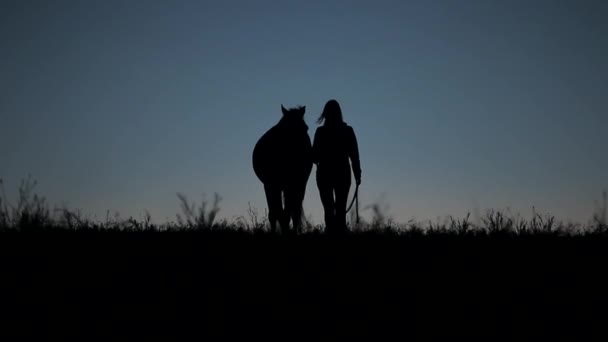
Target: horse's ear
[(283, 110)]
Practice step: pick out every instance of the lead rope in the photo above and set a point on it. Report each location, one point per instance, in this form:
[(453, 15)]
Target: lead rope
[(355, 199), (357, 207)]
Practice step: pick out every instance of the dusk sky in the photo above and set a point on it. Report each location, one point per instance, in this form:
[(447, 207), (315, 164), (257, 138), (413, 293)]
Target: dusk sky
[(457, 105)]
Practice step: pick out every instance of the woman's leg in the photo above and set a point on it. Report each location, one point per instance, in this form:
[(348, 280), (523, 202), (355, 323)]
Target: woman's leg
[(342, 190), (326, 192)]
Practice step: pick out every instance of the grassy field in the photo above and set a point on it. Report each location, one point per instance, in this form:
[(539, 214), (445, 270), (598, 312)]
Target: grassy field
[(505, 279)]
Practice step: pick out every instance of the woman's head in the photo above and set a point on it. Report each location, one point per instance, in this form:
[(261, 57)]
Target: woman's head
[(332, 114)]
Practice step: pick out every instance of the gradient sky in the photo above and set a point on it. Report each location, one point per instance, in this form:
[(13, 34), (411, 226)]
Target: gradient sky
[(118, 105)]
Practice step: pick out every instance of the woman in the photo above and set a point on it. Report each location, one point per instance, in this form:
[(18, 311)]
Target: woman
[(334, 144)]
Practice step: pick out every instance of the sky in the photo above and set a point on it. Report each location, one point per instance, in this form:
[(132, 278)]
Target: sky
[(458, 106)]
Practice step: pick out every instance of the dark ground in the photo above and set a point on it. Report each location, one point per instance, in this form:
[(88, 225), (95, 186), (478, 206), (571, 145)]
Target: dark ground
[(175, 284)]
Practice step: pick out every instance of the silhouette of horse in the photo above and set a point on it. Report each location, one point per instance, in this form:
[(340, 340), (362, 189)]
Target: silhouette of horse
[(282, 160)]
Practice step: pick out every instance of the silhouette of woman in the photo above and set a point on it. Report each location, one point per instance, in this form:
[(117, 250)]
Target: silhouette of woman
[(334, 144)]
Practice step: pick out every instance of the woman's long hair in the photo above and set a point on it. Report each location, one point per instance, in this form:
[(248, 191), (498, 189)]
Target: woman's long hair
[(332, 113)]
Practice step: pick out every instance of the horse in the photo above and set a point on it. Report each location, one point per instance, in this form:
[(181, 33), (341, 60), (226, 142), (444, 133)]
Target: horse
[(282, 161)]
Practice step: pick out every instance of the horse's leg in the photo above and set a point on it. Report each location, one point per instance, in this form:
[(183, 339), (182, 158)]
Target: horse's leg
[(273, 197), (285, 214), (301, 193), (294, 207), (296, 216)]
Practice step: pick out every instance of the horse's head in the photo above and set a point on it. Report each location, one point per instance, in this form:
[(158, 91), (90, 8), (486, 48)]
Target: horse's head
[(293, 118)]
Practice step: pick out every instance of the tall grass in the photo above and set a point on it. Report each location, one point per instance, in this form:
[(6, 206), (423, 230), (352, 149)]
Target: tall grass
[(30, 212), (197, 218)]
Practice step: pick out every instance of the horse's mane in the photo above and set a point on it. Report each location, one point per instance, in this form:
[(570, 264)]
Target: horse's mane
[(295, 109)]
